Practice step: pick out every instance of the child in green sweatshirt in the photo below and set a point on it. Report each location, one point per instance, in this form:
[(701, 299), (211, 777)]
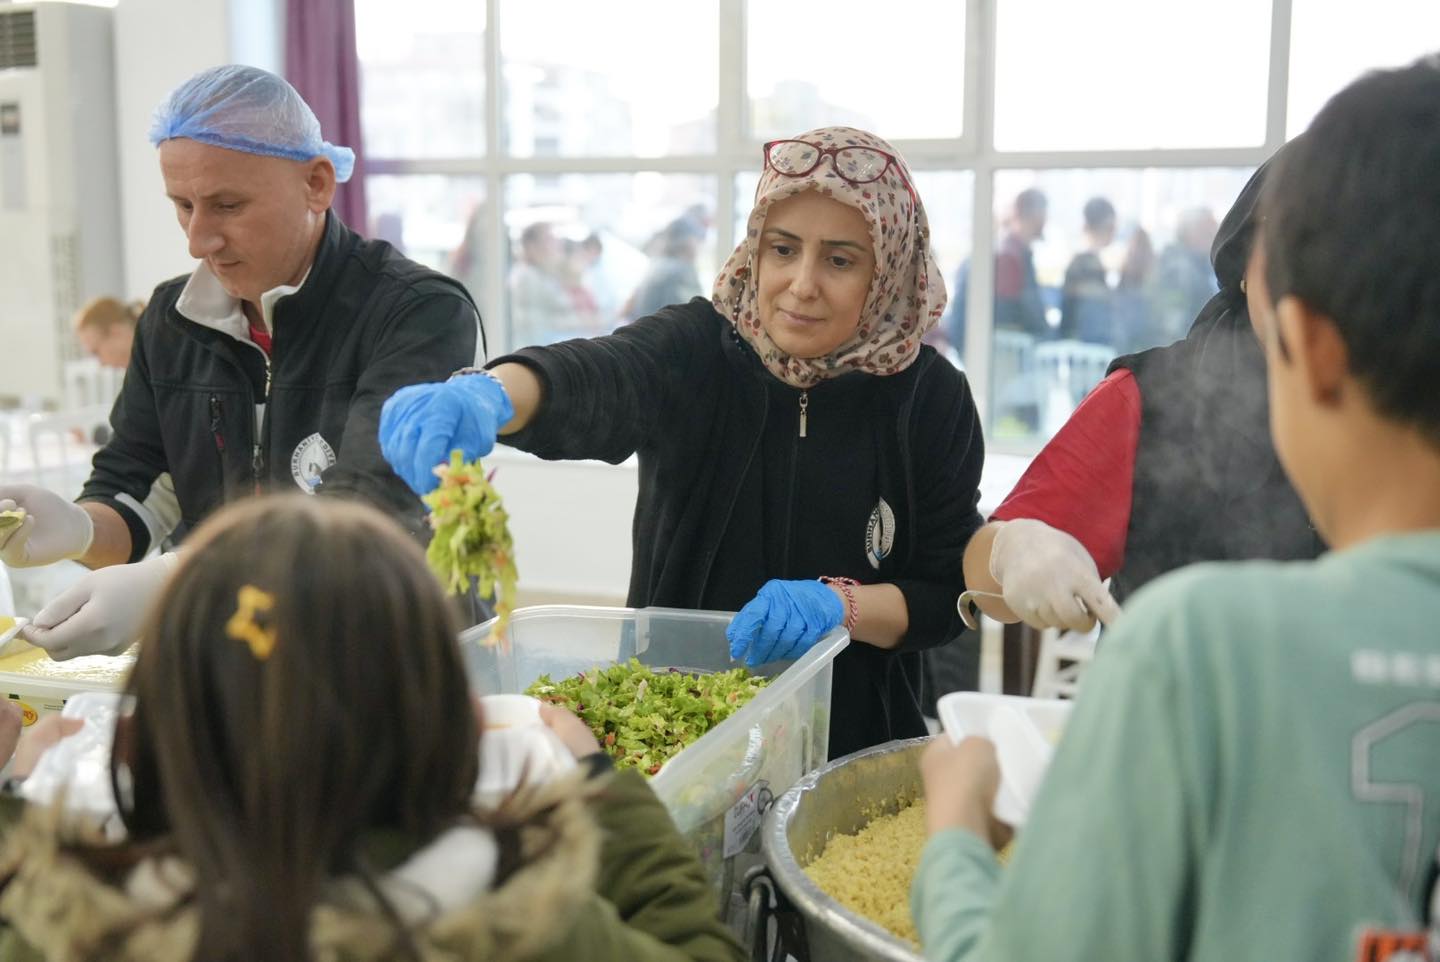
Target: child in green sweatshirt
[(1253, 768)]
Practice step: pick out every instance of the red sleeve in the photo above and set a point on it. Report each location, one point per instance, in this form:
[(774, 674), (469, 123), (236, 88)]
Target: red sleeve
[(1009, 275), (1081, 482)]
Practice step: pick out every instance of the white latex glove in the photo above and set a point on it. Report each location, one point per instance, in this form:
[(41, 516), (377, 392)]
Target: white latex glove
[(1048, 578), (54, 528), (101, 613)]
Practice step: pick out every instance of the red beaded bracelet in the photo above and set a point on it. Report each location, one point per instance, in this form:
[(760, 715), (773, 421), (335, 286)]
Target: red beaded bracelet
[(847, 588)]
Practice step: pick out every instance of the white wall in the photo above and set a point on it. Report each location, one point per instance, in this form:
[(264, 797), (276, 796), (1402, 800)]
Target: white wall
[(158, 44), (571, 524)]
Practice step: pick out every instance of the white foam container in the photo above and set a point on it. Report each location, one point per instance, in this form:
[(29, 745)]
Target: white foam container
[(1024, 730)]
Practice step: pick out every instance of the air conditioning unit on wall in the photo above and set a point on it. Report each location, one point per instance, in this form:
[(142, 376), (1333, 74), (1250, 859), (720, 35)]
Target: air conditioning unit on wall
[(59, 186)]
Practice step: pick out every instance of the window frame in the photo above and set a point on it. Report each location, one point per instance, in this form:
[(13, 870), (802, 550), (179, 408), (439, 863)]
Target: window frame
[(738, 152)]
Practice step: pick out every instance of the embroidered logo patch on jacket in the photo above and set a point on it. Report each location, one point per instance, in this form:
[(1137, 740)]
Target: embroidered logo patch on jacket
[(879, 534), (310, 459)]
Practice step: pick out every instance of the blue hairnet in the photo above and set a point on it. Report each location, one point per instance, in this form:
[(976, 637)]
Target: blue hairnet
[(248, 109)]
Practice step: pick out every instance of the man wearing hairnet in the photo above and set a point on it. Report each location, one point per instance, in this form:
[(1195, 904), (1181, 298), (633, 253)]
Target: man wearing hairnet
[(264, 369)]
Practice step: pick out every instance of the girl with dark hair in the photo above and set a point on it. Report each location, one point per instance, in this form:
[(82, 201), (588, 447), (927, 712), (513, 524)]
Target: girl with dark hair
[(297, 779)]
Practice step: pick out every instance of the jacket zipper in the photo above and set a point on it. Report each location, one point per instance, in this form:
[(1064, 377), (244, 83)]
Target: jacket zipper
[(804, 412), (257, 451), (215, 426), (790, 492)]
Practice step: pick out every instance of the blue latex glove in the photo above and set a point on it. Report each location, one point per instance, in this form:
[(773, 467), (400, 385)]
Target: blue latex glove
[(783, 620), (422, 423)]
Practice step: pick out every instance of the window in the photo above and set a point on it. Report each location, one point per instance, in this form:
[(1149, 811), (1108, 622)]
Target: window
[(435, 219), (1090, 265), (570, 167), (587, 80), (857, 80), (589, 252), (1334, 43), (422, 82), (1130, 74)]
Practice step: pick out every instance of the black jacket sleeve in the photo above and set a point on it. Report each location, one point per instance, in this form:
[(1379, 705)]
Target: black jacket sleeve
[(427, 336), (605, 397), (125, 468), (948, 452)]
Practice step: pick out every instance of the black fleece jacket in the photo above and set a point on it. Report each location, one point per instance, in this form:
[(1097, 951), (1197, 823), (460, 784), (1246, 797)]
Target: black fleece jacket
[(730, 495), (365, 323)]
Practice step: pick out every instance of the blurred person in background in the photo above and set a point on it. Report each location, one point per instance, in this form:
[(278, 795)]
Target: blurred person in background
[(105, 328), (1131, 300), (594, 272), (672, 277), (265, 367), (804, 459), (541, 309), (1019, 305), (467, 261), (1167, 462), (277, 809), (1018, 302), (1249, 772), (1086, 308), (1183, 278)]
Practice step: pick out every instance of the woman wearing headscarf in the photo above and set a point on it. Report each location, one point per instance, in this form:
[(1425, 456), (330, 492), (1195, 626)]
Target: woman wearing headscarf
[(790, 428), (1166, 463)]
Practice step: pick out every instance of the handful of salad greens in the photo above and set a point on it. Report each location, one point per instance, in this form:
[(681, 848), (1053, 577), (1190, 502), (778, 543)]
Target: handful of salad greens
[(472, 537), (643, 718)]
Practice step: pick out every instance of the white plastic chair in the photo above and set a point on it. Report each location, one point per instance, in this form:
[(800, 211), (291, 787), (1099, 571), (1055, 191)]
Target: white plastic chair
[(1016, 388), (1062, 660), (58, 459), (87, 383), (1076, 366)]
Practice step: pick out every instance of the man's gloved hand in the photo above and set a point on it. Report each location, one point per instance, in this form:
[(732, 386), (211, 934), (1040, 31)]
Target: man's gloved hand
[(422, 423), (783, 620), (101, 613), (54, 528), (1048, 578)]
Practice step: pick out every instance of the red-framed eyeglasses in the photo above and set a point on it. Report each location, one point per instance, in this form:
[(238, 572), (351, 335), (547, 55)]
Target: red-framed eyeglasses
[(855, 165)]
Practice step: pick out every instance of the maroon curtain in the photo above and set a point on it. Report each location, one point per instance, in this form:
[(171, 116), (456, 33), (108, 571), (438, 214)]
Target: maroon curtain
[(321, 63)]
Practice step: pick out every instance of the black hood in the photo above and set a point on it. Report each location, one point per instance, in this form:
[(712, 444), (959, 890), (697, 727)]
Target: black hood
[(1230, 253), (1236, 236)]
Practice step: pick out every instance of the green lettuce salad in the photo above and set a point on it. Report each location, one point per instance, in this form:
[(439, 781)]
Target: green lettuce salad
[(643, 718), (472, 537)]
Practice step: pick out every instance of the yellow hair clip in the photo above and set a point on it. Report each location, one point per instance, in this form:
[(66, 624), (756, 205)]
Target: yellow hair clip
[(242, 625)]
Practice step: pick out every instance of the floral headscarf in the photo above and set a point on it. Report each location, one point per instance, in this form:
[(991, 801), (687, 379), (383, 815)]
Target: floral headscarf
[(907, 293)]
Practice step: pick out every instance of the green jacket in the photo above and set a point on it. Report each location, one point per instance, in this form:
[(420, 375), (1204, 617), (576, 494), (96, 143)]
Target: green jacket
[(615, 881)]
